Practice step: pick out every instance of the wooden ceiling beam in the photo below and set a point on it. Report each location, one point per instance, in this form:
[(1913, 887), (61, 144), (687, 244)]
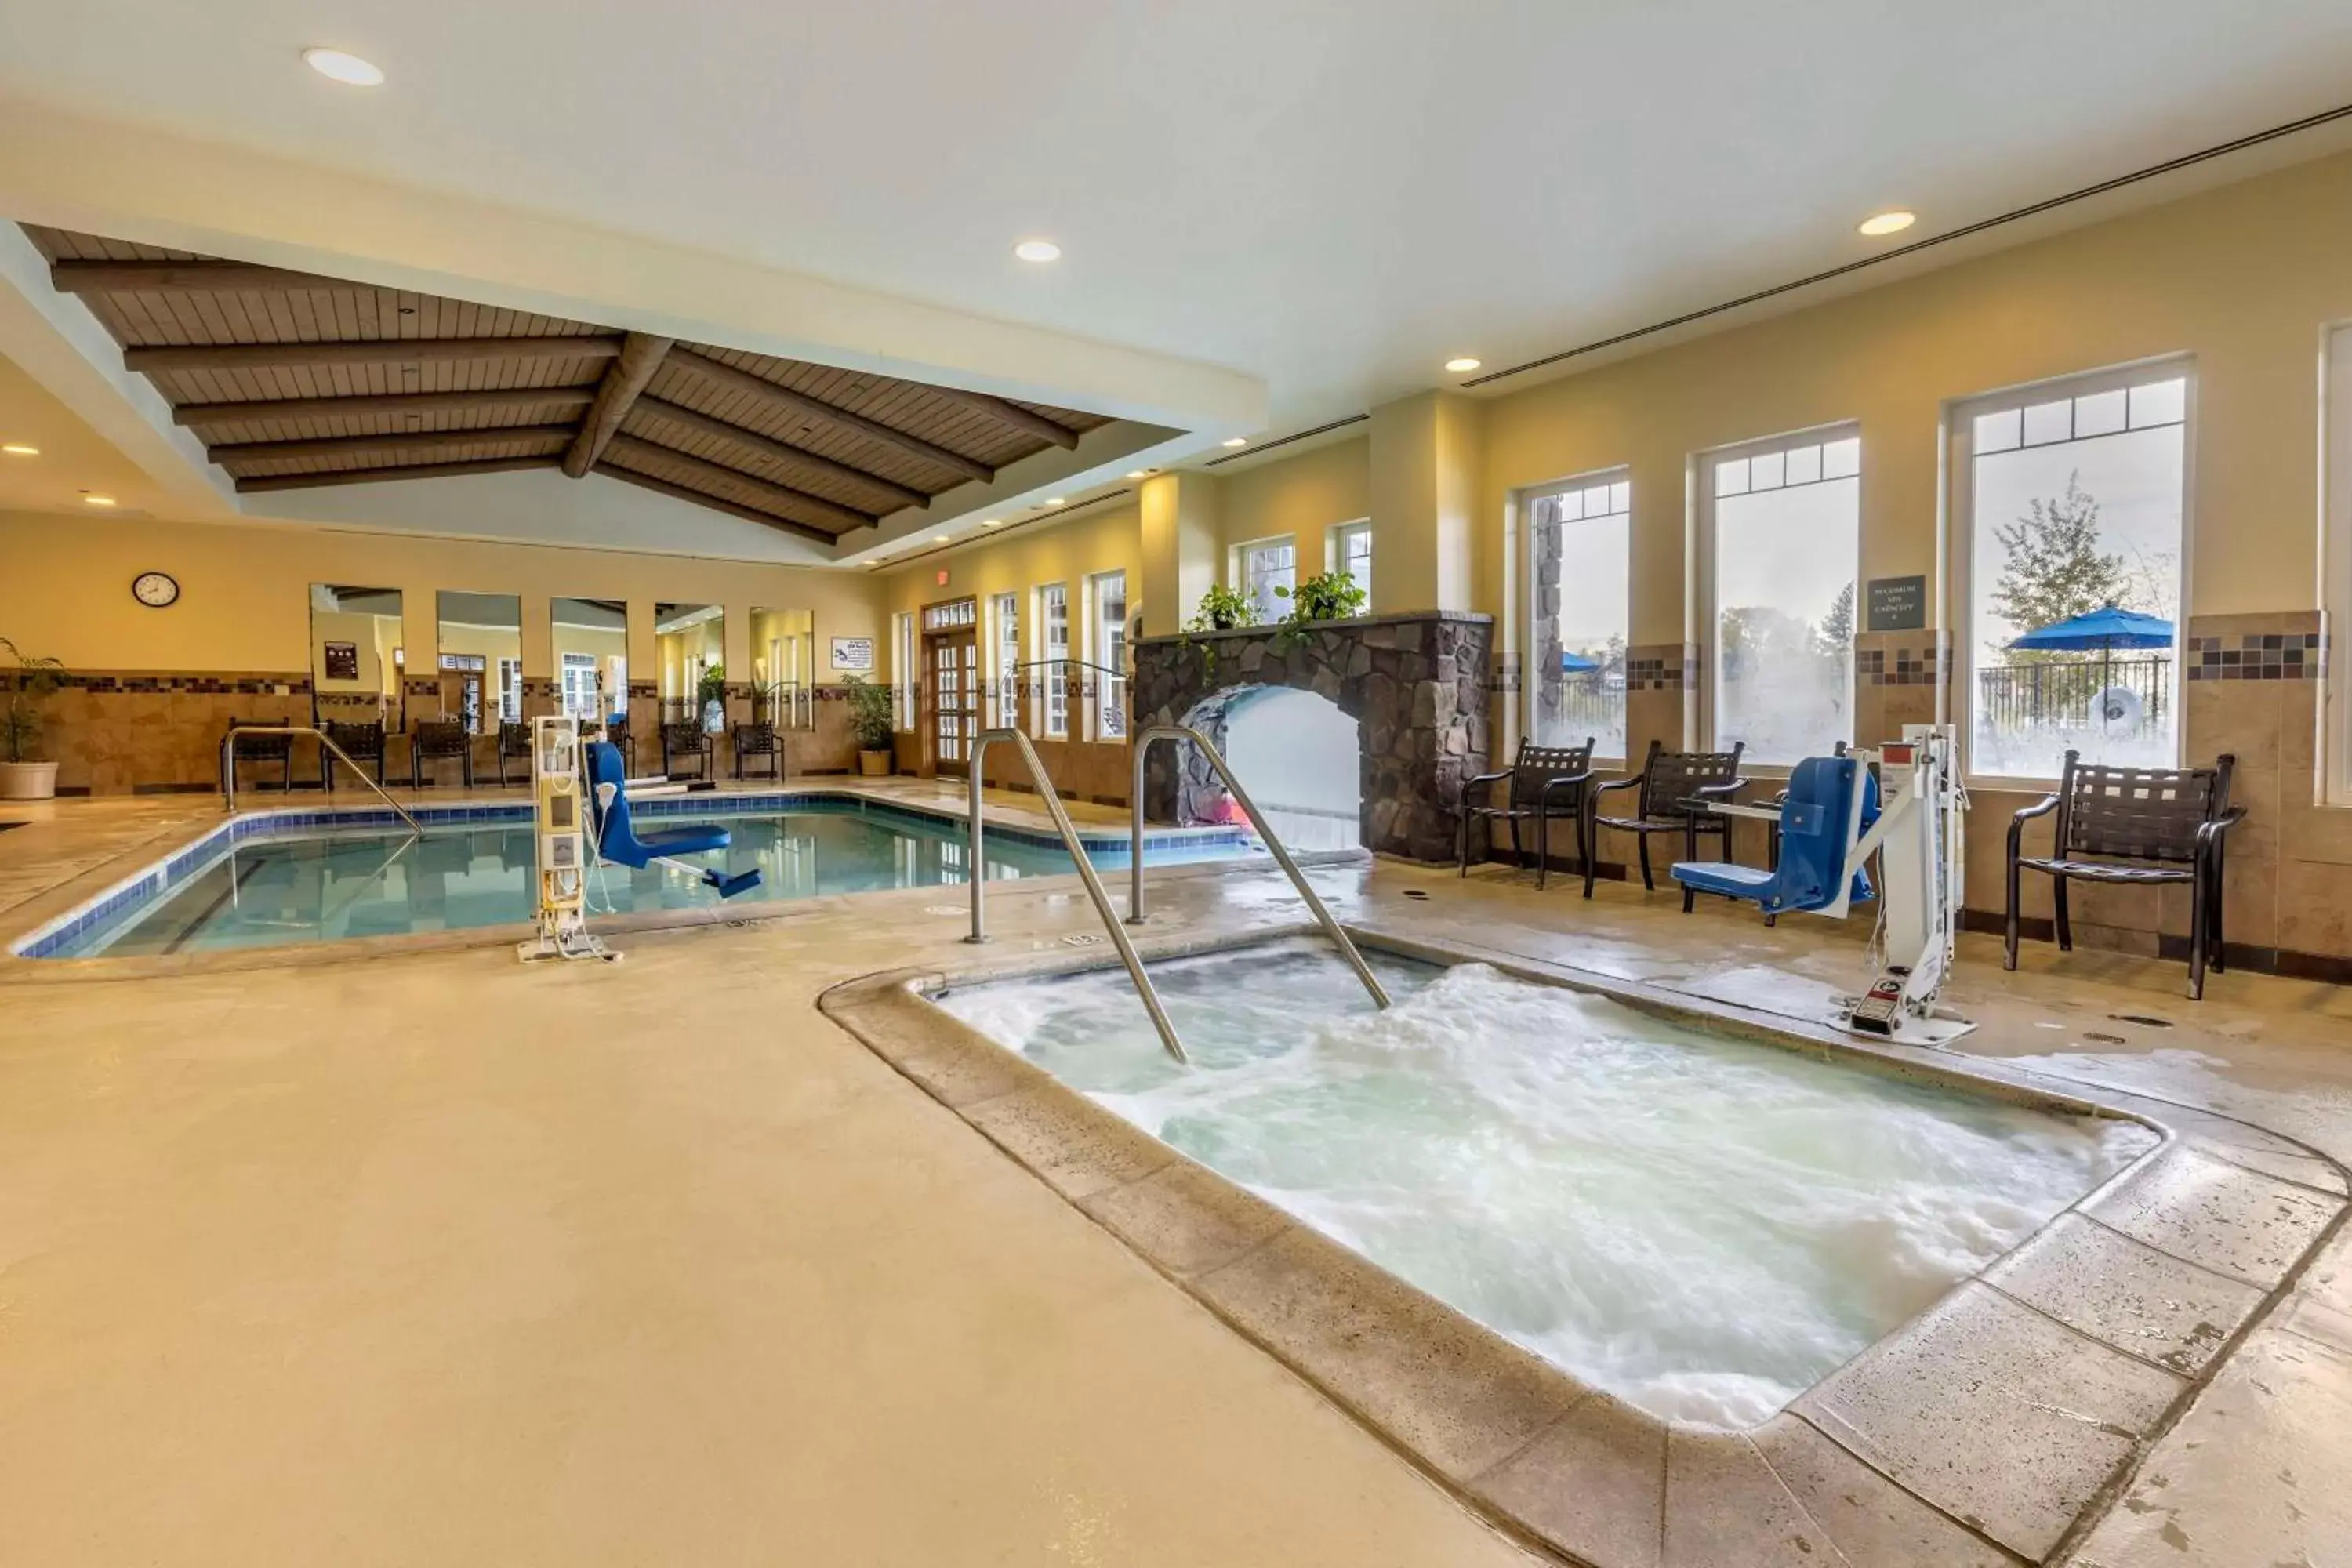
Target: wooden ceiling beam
[(679, 492), (641, 355), (386, 350), (1011, 415), (103, 277), (758, 445), (395, 403), (772, 496), (725, 376), (398, 441), (374, 476)]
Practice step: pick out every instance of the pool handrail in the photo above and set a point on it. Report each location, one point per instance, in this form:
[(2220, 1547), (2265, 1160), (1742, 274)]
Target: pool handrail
[(228, 766), (976, 873), (1331, 928)]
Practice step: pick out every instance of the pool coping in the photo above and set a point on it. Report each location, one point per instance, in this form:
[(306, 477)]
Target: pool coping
[(60, 913), (1995, 1427)]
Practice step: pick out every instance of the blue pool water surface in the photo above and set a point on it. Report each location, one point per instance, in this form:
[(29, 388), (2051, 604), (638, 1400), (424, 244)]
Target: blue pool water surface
[(325, 884)]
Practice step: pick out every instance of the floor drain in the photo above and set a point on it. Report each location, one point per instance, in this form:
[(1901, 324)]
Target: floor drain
[(1415, 893), (1081, 938), (2107, 1039), (944, 909), (2141, 1018)]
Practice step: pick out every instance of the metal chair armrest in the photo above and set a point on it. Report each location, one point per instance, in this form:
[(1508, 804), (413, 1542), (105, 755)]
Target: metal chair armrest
[(2210, 833), (1566, 781), (1723, 791), (1633, 783), (2043, 807), (1490, 778)]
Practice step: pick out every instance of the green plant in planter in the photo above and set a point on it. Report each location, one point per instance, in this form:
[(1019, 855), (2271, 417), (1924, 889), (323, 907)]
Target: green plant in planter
[(1222, 609), (870, 716), (1325, 596), (36, 679)]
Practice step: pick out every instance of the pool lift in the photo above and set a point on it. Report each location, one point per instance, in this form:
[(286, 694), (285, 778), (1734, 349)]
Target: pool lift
[(580, 808), (1902, 803)]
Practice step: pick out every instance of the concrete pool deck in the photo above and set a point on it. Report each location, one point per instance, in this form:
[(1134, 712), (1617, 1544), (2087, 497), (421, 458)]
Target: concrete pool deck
[(437, 1258)]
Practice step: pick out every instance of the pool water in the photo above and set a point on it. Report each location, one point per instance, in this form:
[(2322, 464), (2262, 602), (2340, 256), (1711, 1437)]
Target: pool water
[(322, 886), (1701, 1225)]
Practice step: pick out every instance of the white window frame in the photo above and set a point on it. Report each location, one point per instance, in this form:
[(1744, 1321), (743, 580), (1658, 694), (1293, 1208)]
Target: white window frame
[(509, 689), (2336, 560), (1705, 615), (1526, 500), (1237, 569), (575, 676), (905, 672), (1051, 664), (1106, 651), (1959, 604), (1335, 550), (1004, 656)]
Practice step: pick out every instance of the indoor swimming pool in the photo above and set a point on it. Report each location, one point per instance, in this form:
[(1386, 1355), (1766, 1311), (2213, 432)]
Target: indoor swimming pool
[(312, 881), (1699, 1222)]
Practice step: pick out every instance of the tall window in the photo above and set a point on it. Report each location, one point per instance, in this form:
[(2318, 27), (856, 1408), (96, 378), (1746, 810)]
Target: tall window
[(1006, 609), (2073, 497), (1579, 542), (1351, 552), (509, 690), (1053, 648), (1783, 539), (580, 686), (1268, 565), (1109, 682), (906, 670)]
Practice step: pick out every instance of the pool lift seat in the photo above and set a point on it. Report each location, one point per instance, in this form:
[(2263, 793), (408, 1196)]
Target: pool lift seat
[(618, 840), (1831, 803)]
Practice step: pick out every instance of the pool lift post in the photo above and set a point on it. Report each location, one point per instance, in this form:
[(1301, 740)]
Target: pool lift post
[(1918, 838), (581, 819)]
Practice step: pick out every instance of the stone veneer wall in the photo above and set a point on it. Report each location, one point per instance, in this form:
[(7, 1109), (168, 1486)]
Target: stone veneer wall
[(1418, 687)]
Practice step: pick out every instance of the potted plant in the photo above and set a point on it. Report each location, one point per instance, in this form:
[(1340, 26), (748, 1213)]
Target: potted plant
[(711, 697), (1325, 596), (873, 725), (21, 778)]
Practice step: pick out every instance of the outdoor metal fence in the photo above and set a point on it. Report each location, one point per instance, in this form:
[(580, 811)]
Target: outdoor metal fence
[(2067, 695)]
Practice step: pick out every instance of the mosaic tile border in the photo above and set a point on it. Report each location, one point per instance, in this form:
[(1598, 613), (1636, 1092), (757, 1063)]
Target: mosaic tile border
[(1106, 848), (219, 683), (1910, 666), (1662, 666), (2258, 656)]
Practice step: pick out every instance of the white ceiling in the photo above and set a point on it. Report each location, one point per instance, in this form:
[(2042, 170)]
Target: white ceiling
[(1332, 194)]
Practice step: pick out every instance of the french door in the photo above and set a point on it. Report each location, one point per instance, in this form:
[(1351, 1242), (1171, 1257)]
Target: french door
[(953, 661)]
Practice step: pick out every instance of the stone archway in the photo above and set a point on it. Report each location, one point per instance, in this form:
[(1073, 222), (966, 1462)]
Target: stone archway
[(1417, 686)]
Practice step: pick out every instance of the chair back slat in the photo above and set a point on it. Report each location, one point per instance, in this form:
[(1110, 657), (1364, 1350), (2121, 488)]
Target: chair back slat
[(1669, 778), (514, 739), (360, 742), (1539, 765), (442, 738), (684, 736), (2138, 814)]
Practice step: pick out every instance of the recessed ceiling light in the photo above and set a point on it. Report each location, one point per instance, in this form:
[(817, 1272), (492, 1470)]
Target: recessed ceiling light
[(1237, 440), (98, 500), (1053, 500), (335, 64), (1889, 223), (1139, 474), (21, 450), (1462, 365), (1037, 250), (939, 539), (992, 523)]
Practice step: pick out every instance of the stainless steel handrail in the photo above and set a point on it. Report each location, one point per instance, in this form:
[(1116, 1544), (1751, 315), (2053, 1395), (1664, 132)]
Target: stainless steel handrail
[(1331, 928), (977, 873), (228, 764)]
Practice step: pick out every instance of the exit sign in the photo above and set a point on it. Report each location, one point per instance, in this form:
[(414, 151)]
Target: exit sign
[(943, 577)]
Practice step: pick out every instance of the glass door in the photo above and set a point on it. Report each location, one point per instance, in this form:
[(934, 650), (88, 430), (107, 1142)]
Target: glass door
[(954, 661)]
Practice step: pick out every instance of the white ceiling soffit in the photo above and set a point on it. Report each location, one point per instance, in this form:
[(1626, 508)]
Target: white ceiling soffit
[(1333, 196)]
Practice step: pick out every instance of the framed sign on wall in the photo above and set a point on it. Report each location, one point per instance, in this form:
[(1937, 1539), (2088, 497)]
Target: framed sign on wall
[(341, 660), (852, 653)]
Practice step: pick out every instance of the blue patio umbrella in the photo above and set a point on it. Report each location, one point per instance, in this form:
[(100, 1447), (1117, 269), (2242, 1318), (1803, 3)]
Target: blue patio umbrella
[(2102, 631), (1576, 663)]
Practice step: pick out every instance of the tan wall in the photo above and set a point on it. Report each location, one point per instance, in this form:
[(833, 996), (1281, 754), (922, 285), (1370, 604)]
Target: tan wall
[(244, 613), (1306, 495)]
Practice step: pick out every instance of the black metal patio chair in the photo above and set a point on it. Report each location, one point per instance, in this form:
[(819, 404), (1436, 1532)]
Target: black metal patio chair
[(514, 741), (278, 749), (617, 732), (682, 740), (759, 739), (362, 743), (440, 740), (1668, 780), (1547, 783), (2136, 828)]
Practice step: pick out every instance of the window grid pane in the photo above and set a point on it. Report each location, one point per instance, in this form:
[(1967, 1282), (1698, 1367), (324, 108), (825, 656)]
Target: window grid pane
[(1785, 558), (1578, 589)]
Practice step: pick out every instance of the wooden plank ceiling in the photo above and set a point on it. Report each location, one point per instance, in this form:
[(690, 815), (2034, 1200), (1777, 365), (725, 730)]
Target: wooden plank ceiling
[(294, 381)]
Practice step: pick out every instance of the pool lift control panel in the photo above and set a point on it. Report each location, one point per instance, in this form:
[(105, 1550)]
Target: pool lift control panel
[(559, 819)]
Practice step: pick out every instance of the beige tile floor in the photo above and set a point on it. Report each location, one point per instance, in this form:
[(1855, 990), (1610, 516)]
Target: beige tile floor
[(438, 1258)]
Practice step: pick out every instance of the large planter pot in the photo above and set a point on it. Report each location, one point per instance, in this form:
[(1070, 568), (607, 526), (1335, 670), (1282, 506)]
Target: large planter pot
[(874, 764), (28, 781)]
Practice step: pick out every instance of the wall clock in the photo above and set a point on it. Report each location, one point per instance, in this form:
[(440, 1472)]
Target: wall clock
[(155, 589)]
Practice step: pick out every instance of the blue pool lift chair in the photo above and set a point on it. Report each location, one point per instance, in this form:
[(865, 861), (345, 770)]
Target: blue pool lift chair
[(618, 840), (1830, 800)]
